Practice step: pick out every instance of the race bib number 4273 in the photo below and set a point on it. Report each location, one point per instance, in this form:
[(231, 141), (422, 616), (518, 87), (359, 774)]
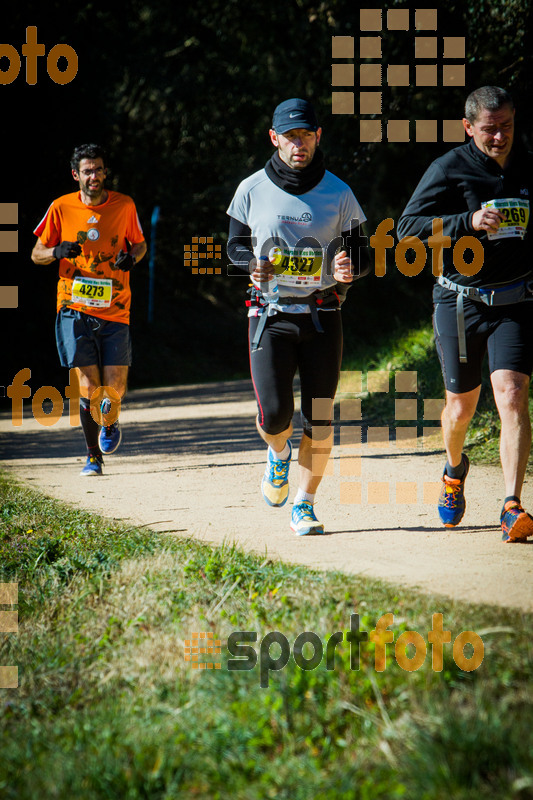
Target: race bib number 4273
[(93, 292), (516, 214)]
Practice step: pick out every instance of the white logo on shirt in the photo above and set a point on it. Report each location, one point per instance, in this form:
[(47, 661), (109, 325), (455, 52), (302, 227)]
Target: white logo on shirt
[(302, 219)]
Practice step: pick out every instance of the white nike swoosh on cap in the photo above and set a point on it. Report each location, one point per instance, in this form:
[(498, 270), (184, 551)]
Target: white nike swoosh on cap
[(298, 114)]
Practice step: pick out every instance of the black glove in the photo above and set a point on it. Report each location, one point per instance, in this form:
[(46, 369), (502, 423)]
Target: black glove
[(124, 261), (67, 250)]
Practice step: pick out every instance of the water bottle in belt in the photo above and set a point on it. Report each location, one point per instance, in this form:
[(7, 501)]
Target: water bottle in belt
[(270, 289)]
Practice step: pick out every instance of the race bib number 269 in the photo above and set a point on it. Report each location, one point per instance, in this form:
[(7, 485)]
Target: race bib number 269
[(516, 213)]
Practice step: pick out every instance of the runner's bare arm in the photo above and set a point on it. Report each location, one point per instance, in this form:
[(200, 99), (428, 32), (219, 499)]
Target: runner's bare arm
[(42, 255)]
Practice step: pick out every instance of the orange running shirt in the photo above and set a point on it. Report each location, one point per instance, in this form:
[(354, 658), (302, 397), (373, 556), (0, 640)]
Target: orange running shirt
[(90, 283)]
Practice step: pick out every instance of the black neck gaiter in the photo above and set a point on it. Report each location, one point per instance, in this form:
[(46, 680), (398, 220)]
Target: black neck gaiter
[(296, 181)]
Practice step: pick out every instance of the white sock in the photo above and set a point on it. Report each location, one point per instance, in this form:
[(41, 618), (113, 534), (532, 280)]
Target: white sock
[(283, 456), (301, 496)]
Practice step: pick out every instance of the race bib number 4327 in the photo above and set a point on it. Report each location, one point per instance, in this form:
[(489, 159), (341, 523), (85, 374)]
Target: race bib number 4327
[(93, 292), (297, 266), (516, 214)]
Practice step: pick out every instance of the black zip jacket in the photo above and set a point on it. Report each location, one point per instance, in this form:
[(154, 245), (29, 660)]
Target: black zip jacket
[(453, 188)]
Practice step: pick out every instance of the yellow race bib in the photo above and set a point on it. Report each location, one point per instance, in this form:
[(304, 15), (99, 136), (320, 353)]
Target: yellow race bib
[(93, 292), (297, 266), (516, 217)]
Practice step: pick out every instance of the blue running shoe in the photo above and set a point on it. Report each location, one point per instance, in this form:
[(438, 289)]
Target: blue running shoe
[(93, 466), (275, 482), (110, 435), (452, 503), (304, 521)]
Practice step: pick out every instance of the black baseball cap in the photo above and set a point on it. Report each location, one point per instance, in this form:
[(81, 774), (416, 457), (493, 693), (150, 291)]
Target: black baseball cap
[(294, 113)]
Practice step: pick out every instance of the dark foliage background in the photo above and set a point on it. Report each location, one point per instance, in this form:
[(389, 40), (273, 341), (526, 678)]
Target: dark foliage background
[(182, 97)]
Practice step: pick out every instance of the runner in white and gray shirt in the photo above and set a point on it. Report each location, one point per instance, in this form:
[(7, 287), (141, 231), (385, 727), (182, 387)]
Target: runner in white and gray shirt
[(299, 224)]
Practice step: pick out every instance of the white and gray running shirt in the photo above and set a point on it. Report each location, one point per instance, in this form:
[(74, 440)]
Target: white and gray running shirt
[(296, 230)]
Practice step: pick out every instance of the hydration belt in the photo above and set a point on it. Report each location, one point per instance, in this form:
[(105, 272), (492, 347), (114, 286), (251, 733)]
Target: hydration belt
[(325, 298), (491, 296)]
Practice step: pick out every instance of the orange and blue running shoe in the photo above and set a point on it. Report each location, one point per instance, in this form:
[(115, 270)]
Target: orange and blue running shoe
[(516, 523), (452, 503)]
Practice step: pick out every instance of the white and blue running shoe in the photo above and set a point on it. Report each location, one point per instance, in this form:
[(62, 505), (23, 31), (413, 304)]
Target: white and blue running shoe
[(275, 482), (304, 521)]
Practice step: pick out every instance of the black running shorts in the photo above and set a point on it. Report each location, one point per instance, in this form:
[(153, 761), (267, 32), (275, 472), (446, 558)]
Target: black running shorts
[(83, 340), (505, 333)]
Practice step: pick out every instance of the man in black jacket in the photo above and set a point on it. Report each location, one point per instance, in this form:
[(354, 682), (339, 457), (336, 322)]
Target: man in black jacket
[(481, 192)]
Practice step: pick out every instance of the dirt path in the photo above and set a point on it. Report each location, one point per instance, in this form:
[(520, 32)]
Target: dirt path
[(191, 463)]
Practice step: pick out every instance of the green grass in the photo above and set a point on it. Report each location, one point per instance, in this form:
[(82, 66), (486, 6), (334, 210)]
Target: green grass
[(107, 707)]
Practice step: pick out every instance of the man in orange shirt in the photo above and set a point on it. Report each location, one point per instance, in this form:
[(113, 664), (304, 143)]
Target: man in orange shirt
[(97, 238)]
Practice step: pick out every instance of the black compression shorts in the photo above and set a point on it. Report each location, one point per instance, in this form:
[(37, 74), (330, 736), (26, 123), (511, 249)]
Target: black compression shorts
[(291, 342), (504, 332)]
